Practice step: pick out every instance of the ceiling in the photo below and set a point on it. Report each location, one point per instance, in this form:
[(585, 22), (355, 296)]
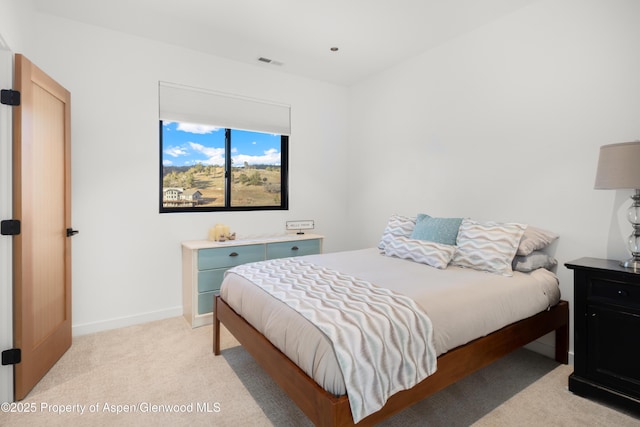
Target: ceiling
[(297, 35)]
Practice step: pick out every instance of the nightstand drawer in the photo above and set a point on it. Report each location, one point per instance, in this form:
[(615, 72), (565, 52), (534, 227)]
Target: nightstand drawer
[(210, 280), (229, 257), (614, 292), (294, 248)]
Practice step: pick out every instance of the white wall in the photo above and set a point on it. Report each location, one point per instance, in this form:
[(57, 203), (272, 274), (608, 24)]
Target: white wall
[(6, 243), (14, 29), (127, 258), (505, 124)]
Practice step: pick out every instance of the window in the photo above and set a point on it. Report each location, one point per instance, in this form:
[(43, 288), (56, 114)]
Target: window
[(206, 168), (221, 152)]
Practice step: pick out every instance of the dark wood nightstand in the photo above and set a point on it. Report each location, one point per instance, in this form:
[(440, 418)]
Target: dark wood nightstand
[(606, 316)]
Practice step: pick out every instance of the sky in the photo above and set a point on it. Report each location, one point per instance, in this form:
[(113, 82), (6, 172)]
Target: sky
[(185, 144)]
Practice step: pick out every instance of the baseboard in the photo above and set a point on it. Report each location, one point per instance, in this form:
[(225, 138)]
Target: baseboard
[(121, 322)]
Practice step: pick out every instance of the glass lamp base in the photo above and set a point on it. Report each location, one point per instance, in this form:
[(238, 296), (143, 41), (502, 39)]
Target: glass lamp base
[(633, 243), (632, 264)]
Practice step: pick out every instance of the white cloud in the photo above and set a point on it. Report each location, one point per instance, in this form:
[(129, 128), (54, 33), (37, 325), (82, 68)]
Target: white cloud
[(176, 151), (167, 163), (195, 128), (215, 156), (270, 157)]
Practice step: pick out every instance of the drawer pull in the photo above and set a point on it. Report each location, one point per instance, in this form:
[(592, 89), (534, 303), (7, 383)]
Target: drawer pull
[(295, 248), (233, 254)]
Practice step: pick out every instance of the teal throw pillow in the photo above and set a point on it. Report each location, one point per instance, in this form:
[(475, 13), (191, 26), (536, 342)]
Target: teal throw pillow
[(439, 230)]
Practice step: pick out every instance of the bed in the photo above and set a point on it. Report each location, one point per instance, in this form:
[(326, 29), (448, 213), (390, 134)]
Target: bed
[(477, 317)]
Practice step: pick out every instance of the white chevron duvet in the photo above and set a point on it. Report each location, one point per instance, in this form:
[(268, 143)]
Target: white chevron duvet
[(462, 305), (381, 339)]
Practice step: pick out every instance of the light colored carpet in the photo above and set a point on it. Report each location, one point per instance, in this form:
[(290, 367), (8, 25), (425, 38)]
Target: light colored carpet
[(143, 367)]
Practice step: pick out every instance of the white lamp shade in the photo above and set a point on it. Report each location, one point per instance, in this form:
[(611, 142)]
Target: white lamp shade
[(619, 166)]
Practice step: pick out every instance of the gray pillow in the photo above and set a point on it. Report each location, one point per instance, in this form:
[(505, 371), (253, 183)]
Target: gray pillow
[(533, 261), (535, 239)]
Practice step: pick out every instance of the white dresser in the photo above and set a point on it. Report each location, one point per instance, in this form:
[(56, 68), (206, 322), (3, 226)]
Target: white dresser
[(204, 264)]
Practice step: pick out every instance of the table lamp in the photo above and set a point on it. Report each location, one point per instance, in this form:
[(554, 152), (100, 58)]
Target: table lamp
[(619, 168)]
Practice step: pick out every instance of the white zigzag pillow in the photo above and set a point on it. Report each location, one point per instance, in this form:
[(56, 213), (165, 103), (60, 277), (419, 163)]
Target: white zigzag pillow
[(431, 253), (487, 246), (398, 225)]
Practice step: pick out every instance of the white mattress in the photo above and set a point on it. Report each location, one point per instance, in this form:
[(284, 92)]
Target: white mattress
[(463, 305)]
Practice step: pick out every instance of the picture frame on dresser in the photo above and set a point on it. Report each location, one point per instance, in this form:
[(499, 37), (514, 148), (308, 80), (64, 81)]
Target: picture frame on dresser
[(204, 263)]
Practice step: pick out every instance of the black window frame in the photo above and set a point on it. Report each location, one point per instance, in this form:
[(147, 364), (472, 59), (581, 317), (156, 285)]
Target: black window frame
[(284, 181)]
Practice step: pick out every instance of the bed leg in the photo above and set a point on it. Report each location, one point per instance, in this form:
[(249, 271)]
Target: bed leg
[(216, 327), (562, 339)]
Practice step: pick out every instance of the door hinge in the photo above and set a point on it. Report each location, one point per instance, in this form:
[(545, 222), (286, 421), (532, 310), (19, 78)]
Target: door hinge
[(11, 357), (10, 97), (10, 227)]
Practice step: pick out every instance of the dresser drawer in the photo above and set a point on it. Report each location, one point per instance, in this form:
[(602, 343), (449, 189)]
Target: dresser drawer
[(210, 280), (295, 248), (229, 257), (205, 302), (204, 264), (614, 292)]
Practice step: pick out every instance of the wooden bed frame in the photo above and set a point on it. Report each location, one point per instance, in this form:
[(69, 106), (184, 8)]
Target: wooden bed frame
[(325, 409)]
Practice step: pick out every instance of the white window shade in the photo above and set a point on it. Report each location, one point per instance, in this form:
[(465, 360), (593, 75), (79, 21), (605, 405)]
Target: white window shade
[(202, 106)]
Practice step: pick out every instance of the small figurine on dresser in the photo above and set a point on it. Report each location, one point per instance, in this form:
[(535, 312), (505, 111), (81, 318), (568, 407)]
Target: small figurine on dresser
[(221, 233)]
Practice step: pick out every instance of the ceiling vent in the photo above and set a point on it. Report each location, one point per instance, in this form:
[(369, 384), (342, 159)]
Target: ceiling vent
[(269, 61)]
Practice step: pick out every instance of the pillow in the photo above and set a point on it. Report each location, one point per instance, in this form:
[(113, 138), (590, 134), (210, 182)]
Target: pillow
[(430, 253), (488, 246), (439, 230), (397, 225), (533, 261), (535, 239)]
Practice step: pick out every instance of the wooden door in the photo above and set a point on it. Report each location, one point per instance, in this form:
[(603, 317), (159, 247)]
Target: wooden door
[(42, 203)]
